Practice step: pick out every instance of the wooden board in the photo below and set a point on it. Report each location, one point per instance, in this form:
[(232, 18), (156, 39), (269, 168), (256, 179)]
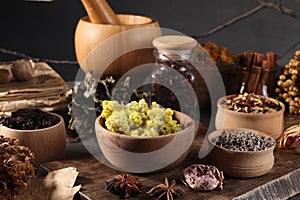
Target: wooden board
[(46, 89), (282, 181)]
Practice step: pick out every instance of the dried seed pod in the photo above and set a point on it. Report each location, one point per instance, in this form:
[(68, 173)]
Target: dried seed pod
[(5, 75), (23, 70), (16, 167), (124, 185)]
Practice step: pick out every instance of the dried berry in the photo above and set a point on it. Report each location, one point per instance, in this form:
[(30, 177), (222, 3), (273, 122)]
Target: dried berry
[(16, 167), (166, 191), (29, 119), (203, 177), (243, 141), (124, 185), (23, 70), (288, 85)]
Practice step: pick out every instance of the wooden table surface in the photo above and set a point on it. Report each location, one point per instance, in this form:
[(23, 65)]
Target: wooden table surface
[(281, 182)]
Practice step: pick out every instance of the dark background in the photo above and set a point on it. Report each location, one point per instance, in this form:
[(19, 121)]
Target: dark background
[(46, 30)]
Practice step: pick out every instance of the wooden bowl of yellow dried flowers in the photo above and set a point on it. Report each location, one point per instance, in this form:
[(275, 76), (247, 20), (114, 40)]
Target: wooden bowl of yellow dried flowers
[(139, 138)]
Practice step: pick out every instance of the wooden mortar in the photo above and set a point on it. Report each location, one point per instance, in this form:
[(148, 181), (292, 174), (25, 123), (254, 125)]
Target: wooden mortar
[(91, 56)]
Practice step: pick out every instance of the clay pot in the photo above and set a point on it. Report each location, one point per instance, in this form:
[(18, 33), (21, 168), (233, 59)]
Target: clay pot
[(270, 123), (237, 163), (140, 154), (47, 144), (120, 52)]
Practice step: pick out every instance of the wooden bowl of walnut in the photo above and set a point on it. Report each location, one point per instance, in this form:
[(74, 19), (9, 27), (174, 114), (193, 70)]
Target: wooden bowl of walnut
[(271, 123), (241, 164), (47, 144), (146, 154)]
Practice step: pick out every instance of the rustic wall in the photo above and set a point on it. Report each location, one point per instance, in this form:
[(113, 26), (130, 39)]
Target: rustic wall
[(46, 29)]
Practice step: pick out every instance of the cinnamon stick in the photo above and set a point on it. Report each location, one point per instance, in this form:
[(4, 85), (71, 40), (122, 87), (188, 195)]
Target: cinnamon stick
[(253, 79), (246, 60), (266, 83), (262, 88), (255, 73)]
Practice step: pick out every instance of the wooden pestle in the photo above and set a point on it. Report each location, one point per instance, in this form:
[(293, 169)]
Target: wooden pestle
[(100, 12)]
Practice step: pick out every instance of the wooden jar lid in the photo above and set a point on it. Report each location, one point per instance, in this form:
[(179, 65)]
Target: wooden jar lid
[(174, 42)]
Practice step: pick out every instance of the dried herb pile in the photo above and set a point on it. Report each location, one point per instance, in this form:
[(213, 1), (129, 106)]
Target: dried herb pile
[(16, 168), (252, 103), (219, 54), (244, 141)]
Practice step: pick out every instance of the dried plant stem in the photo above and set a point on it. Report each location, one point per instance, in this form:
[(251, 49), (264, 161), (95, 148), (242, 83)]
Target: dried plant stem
[(291, 48), (230, 22), (22, 55)]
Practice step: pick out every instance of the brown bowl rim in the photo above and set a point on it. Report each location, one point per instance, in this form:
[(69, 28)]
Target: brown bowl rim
[(221, 106), (85, 19), (242, 152), (61, 120), (189, 126)]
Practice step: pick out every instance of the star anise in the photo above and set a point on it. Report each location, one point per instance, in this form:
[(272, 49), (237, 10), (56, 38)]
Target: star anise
[(166, 191), (124, 185)]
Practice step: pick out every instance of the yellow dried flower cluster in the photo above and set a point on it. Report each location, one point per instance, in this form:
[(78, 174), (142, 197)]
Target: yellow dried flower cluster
[(139, 119)]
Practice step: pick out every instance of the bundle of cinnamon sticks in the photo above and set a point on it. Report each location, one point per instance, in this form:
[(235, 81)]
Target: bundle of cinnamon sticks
[(257, 72)]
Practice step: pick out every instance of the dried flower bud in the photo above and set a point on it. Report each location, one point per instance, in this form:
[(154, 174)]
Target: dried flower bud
[(5, 75), (23, 70)]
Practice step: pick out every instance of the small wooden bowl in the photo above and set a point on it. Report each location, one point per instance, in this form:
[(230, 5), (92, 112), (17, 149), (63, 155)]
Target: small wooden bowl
[(88, 36), (237, 163), (139, 154), (47, 144), (270, 123)]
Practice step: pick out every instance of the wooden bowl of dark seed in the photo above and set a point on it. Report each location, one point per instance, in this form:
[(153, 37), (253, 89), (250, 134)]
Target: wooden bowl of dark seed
[(43, 132), (251, 111), (243, 153)]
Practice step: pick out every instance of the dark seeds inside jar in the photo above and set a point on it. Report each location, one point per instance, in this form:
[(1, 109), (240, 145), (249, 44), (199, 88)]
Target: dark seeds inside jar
[(29, 119), (243, 141)]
